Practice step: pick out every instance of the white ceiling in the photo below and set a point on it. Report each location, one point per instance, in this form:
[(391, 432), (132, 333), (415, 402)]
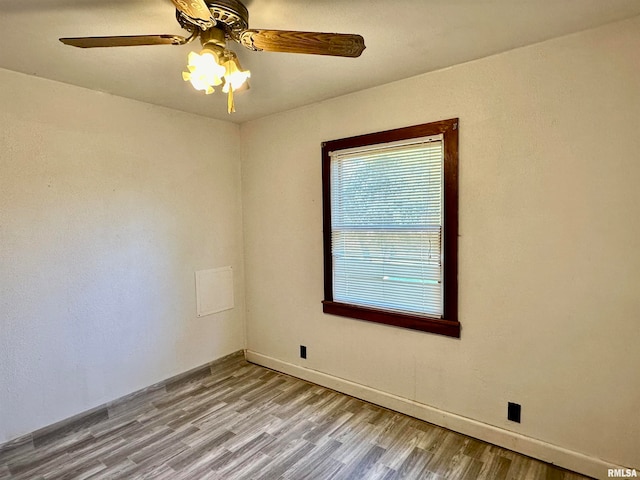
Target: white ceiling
[(403, 38)]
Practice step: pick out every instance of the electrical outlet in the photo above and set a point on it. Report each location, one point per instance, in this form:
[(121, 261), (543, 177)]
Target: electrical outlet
[(513, 412), (303, 351)]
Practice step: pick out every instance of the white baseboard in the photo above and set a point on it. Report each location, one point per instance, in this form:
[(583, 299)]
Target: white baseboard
[(532, 447)]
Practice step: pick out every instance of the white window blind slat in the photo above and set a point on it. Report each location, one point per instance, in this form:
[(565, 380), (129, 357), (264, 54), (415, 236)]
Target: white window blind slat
[(386, 220)]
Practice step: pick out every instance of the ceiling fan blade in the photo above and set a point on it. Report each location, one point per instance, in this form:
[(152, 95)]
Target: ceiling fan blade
[(124, 41), (193, 8), (315, 43)]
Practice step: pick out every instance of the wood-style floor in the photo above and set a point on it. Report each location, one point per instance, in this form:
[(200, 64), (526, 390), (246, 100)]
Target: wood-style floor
[(241, 421)]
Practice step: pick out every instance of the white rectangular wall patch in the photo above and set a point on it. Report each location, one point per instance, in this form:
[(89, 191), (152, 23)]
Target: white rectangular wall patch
[(214, 290)]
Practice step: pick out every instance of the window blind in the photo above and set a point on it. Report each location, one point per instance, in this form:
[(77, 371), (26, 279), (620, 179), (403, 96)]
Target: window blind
[(386, 222)]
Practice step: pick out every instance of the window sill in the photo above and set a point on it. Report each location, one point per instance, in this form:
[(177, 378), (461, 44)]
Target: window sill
[(414, 322)]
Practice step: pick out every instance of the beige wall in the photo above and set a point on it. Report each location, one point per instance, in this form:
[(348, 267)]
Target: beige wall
[(549, 241), (107, 208)]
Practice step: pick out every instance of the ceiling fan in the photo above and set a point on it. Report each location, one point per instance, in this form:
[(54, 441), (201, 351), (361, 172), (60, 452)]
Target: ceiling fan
[(216, 22)]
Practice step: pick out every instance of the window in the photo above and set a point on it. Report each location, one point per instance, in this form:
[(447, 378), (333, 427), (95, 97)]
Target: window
[(390, 205)]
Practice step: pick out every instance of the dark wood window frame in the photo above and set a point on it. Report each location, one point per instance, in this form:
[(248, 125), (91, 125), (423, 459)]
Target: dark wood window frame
[(447, 325)]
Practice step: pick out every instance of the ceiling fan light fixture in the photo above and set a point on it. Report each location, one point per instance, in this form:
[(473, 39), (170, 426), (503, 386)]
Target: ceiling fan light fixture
[(213, 66), (205, 70), (234, 76)]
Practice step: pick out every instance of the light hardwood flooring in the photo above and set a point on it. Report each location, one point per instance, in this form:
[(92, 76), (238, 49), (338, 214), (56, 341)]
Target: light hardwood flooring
[(236, 420)]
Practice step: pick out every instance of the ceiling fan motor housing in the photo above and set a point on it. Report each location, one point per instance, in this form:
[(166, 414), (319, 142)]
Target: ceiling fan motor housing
[(231, 15)]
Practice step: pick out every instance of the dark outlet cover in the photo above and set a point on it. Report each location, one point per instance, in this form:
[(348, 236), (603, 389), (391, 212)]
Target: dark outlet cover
[(513, 412), (303, 351)]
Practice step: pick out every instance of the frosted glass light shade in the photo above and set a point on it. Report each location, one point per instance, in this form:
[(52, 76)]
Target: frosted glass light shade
[(204, 71)]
